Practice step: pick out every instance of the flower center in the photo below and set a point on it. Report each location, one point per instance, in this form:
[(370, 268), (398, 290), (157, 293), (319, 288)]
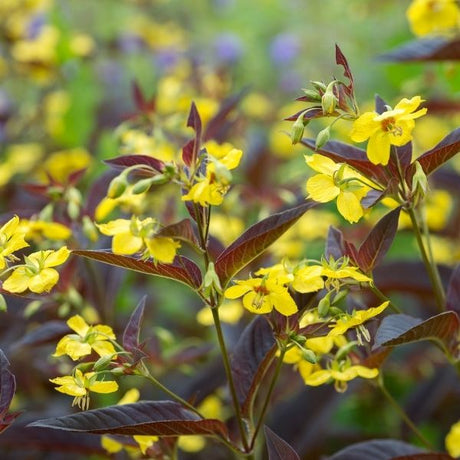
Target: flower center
[(261, 292), (389, 126)]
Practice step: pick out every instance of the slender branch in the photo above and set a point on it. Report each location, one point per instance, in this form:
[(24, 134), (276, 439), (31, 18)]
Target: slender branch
[(403, 414)]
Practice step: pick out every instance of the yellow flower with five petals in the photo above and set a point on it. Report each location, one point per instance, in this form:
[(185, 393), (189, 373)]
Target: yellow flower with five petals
[(392, 127), (11, 240)]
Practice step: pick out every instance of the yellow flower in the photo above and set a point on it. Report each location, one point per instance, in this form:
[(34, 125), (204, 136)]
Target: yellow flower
[(393, 127), (11, 240), (36, 274), (229, 312), (308, 279), (261, 295), (433, 16), (60, 165), (453, 440), (39, 229), (337, 181), (131, 236), (86, 339), (340, 377), (79, 385), (357, 318)]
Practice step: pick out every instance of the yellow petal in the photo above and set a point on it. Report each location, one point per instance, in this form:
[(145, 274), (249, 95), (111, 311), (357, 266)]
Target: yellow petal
[(130, 396), (43, 281), (115, 227), (317, 378), (57, 257), (409, 105), (349, 206), (163, 249), (236, 291), (321, 164), (9, 227), (78, 324), (257, 304), (364, 127), (378, 148), (453, 440), (232, 159), (321, 188), (111, 445), (126, 243), (284, 303), (109, 386), (17, 282), (145, 441), (104, 348), (366, 372)]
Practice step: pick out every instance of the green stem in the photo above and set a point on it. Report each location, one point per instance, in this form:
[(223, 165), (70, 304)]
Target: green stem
[(403, 414), (276, 374), (430, 267), (384, 298), (228, 371)]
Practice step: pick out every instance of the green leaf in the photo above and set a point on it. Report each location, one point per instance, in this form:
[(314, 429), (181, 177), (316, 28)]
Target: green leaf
[(255, 240)]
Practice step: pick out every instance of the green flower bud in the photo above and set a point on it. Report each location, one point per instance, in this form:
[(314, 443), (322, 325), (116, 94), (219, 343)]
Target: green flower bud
[(309, 356), (323, 306), (102, 362), (89, 229), (328, 100), (419, 181), (342, 352), (298, 129), (312, 95), (117, 186), (73, 209), (3, 306), (32, 308), (319, 85), (141, 186), (299, 339), (211, 280), (323, 136), (339, 297)]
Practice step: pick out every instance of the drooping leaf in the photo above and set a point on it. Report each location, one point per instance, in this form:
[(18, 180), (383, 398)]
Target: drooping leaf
[(156, 418), (150, 164), (380, 449), (453, 291), (132, 329), (255, 240), (182, 270), (277, 448), (190, 151), (335, 246), (341, 60), (353, 156), (313, 112), (252, 356), (48, 332), (440, 153), (378, 241), (427, 49), (401, 329), (7, 391), (182, 230)]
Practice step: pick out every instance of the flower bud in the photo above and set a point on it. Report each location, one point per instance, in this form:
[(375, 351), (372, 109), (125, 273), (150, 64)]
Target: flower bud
[(117, 186), (319, 85), (141, 186), (419, 181), (3, 306), (298, 129), (211, 280), (312, 95), (103, 362), (323, 306), (73, 209), (309, 356), (323, 136), (339, 297), (342, 352), (89, 229), (328, 100)]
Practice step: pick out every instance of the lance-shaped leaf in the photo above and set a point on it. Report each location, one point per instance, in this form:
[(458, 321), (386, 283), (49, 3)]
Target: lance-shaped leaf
[(353, 156), (132, 329), (252, 356), (191, 149), (148, 165), (453, 291), (182, 270), (378, 241), (401, 329), (335, 244), (340, 59), (427, 49), (310, 114), (278, 449), (380, 449), (255, 240), (7, 390), (156, 418), (49, 332), (439, 154), (182, 230)]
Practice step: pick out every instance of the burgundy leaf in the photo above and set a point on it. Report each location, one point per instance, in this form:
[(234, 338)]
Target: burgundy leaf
[(7, 390), (441, 153), (255, 240), (453, 291), (400, 329), (356, 158), (126, 161), (378, 241), (187, 152), (380, 449), (278, 449), (252, 356), (427, 456), (191, 149), (182, 270), (156, 418), (335, 246), (138, 97), (48, 332), (340, 59), (427, 49), (132, 329), (182, 230), (313, 112)]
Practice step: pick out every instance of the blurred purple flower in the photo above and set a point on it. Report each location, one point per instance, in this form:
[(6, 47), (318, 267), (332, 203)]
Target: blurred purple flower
[(35, 25), (290, 81), (129, 43), (284, 48), (166, 59), (228, 47)]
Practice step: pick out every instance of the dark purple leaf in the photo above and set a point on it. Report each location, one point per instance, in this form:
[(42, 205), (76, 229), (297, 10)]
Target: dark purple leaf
[(441, 153), (132, 329), (341, 60), (48, 332), (255, 240), (182, 230), (427, 49), (182, 270), (126, 161), (277, 448), (453, 291), (157, 418), (252, 356), (381, 449), (401, 329), (313, 112), (187, 152), (378, 241), (380, 105), (191, 149), (335, 246), (427, 456), (372, 198), (356, 158), (7, 390)]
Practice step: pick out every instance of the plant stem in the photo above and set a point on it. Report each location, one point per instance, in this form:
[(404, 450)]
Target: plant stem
[(384, 298), (276, 374), (429, 265), (228, 371), (403, 414)]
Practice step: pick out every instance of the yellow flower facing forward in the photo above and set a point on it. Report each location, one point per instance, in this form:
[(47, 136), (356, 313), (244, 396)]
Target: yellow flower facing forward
[(453, 440), (131, 236), (86, 339), (337, 181), (79, 385), (340, 377), (393, 127), (356, 319), (261, 295), (433, 16), (37, 273), (11, 240)]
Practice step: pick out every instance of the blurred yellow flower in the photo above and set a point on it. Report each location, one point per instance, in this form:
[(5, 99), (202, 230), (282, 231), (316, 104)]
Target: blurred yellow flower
[(433, 16), (38, 229), (453, 440), (11, 240), (60, 165), (392, 127), (229, 312)]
